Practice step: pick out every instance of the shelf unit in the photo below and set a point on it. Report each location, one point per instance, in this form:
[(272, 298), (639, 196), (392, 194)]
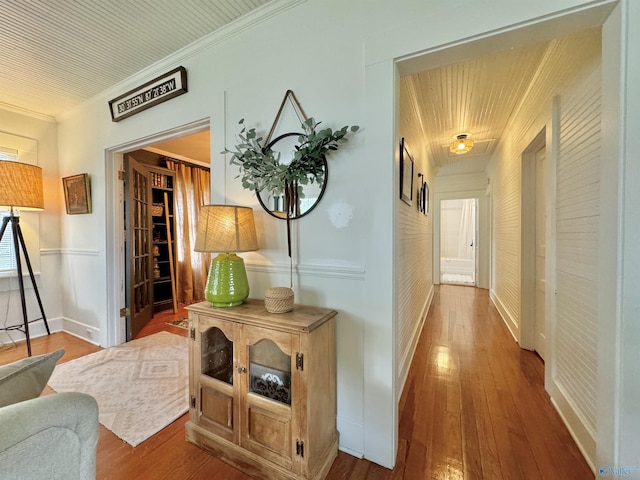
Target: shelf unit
[(163, 221)]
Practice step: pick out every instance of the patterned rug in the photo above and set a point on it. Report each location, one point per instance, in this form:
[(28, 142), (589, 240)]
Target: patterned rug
[(140, 386), (181, 322)]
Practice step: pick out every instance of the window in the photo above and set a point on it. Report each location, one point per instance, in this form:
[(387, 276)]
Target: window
[(7, 257)]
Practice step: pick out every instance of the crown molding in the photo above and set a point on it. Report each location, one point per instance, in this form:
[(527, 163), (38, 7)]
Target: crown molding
[(26, 112)]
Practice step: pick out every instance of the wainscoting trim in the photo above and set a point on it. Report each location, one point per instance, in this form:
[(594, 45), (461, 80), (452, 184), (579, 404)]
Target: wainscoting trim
[(327, 271)]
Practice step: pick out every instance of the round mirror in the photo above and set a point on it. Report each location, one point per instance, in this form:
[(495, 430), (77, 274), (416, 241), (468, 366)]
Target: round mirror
[(274, 202)]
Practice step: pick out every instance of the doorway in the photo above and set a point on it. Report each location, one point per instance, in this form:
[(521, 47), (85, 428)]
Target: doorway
[(116, 282), (160, 232), (458, 241), (534, 246)]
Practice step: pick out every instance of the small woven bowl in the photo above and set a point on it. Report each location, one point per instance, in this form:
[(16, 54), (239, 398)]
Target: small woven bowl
[(278, 300)]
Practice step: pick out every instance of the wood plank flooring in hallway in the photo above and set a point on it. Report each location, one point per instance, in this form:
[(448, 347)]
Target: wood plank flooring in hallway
[(474, 404), (473, 407)]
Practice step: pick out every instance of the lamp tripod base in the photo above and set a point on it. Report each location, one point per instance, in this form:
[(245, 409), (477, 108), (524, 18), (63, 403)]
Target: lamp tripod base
[(18, 241)]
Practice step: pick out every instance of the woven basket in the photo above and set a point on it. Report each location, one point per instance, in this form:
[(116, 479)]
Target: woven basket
[(278, 299), (156, 210)]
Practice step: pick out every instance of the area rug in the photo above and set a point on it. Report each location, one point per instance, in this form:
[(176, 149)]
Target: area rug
[(181, 322), (140, 386)]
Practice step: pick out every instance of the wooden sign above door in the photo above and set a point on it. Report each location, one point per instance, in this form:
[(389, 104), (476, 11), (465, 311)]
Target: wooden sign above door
[(152, 93)]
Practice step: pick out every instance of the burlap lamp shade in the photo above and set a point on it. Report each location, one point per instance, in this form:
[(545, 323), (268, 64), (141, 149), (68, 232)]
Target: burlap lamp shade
[(20, 186)]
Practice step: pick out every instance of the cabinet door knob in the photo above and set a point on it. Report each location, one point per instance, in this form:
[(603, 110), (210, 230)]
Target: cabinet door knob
[(242, 370)]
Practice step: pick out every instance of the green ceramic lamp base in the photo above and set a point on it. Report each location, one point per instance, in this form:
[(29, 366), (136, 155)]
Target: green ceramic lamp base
[(227, 284)]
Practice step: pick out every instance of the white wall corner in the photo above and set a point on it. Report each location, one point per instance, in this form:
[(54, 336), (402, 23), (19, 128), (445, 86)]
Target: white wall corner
[(609, 265), (380, 406)]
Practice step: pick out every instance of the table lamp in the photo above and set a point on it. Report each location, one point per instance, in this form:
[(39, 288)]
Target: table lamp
[(21, 189), (226, 229)]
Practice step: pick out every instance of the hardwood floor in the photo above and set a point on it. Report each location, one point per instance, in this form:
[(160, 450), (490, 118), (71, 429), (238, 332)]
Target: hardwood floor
[(473, 407)]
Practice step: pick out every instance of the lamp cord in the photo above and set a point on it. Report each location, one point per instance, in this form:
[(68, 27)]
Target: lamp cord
[(289, 248), (12, 266)]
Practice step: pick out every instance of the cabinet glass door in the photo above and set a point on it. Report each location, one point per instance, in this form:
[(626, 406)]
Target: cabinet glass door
[(270, 371), (216, 409), (268, 394), (217, 355)]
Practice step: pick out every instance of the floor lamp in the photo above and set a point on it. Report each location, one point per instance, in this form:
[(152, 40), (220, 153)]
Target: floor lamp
[(21, 189)]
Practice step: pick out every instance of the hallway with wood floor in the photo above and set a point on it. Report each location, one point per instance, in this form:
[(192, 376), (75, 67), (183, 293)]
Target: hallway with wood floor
[(473, 407), (474, 404)]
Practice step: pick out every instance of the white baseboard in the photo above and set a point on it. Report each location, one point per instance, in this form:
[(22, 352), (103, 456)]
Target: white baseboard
[(37, 329), (578, 428), (508, 320), (351, 439), (407, 357), (81, 330)]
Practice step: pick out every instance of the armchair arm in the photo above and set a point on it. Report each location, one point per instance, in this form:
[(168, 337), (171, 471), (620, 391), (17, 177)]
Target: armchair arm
[(53, 437)]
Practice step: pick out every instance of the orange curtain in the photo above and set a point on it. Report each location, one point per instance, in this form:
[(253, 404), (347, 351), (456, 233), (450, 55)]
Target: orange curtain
[(192, 190)]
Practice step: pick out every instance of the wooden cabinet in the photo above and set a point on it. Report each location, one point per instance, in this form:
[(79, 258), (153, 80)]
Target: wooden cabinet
[(263, 388), (162, 217)]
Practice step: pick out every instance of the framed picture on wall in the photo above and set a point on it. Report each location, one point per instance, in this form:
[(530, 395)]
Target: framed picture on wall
[(423, 195), (77, 194), (425, 198), (406, 174)]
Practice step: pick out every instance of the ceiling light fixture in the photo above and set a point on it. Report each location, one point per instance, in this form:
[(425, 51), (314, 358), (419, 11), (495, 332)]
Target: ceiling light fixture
[(461, 144)]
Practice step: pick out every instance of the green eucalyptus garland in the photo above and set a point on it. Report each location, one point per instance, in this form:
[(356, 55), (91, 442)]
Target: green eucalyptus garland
[(260, 166)]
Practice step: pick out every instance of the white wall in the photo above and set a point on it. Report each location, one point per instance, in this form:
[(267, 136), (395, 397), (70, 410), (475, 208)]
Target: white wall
[(630, 334), (577, 254), (572, 72), (618, 421), (413, 261), (339, 58)]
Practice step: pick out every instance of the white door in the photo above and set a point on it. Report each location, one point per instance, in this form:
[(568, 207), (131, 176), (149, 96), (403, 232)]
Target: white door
[(540, 252), (474, 238), (458, 239)]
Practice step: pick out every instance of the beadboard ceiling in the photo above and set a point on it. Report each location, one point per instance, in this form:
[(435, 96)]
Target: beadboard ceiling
[(476, 96), (57, 54)]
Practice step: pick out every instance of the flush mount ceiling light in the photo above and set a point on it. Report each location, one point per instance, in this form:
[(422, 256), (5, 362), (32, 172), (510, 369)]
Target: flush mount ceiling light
[(462, 144)]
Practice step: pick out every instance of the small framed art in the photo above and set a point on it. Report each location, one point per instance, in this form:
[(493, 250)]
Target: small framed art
[(77, 193), (423, 195), (406, 174)]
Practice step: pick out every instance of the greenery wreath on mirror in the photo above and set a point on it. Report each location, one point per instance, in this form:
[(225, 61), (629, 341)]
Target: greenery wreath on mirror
[(261, 168)]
